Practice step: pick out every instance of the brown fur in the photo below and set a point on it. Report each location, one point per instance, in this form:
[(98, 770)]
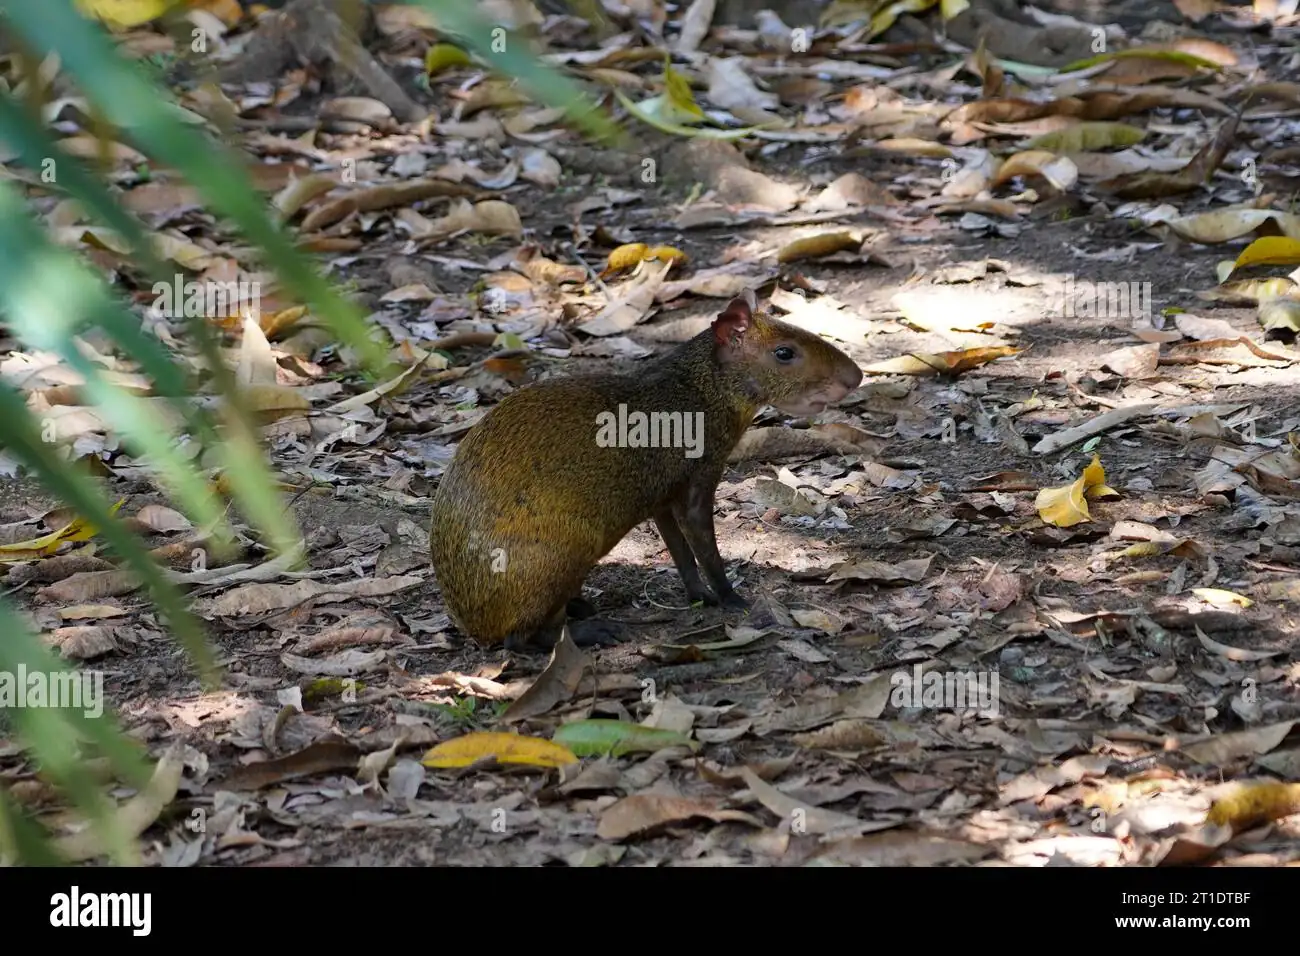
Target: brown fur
[(532, 502)]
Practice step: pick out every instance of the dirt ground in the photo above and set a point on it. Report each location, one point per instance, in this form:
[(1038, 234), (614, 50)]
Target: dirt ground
[(1146, 658)]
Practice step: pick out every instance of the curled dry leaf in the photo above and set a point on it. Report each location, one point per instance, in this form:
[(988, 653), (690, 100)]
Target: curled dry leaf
[(1067, 505), (1224, 225), (1234, 653), (1058, 171), (1223, 749), (941, 363), (133, 817), (643, 812), (555, 685), (904, 572)]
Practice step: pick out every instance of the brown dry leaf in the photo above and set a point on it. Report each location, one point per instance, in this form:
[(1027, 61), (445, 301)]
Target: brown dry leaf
[(298, 192), (941, 363), (90, 585), (633, 304), (867, 701), (850, 191), (82, 642), (804, 819), (89, 612), (1137, 362), (133, 817), (1059, 172), (331, 755), (260, 598), (1224, 749), (1197, 172), (1197, 10), (387, 196), (643, 812), (844, 735), (347, 663), (163, 519), (1205, 330), (1234, 653), (904, 572), (554, 685), (903, 848)]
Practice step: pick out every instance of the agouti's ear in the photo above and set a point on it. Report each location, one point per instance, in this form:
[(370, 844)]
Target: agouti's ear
[(732, 321)]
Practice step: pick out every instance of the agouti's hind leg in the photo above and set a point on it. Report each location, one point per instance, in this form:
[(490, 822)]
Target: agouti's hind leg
[(671, 531), (696, 524)]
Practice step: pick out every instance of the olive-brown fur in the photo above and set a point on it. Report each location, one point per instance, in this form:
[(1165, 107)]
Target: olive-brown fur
[(531, 501)]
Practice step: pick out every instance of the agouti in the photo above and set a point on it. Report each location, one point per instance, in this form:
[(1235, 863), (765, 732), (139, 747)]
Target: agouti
[(553, 477)]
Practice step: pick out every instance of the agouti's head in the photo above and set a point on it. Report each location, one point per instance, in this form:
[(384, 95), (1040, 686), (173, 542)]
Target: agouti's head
[(781, 364)]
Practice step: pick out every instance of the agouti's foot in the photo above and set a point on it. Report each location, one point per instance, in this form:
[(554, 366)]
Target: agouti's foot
[(584, 633), (734, 602), (596, 633)]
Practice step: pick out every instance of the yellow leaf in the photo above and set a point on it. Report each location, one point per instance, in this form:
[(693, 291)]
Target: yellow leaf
[(1094, 474), (444, 56), (650, 112), (626, 256), (1143, 549), (667, 254), (1269, 251), (1063, 506), (505, 748), (822, 244), (883, 20), (678, 90), (951, 8), (125, 13), (1249, 803), (1067, 505), (78, 529), (1222, 598)]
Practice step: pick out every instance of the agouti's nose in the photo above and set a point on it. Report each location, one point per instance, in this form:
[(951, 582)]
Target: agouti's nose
[(850, 376)]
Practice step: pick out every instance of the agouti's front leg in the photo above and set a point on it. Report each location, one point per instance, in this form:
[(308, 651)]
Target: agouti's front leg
[(696, 523), (671, 531)]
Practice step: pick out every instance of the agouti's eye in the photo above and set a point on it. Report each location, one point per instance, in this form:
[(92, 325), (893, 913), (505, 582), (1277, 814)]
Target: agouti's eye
[(784, 353)]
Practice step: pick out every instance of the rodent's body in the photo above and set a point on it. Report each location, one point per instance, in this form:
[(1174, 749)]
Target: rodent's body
[(534, 497)]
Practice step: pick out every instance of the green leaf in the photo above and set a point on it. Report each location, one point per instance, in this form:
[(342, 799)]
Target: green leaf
[(19, 433), (586, 738), (52, 732), (688, 131), (146, 113)]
